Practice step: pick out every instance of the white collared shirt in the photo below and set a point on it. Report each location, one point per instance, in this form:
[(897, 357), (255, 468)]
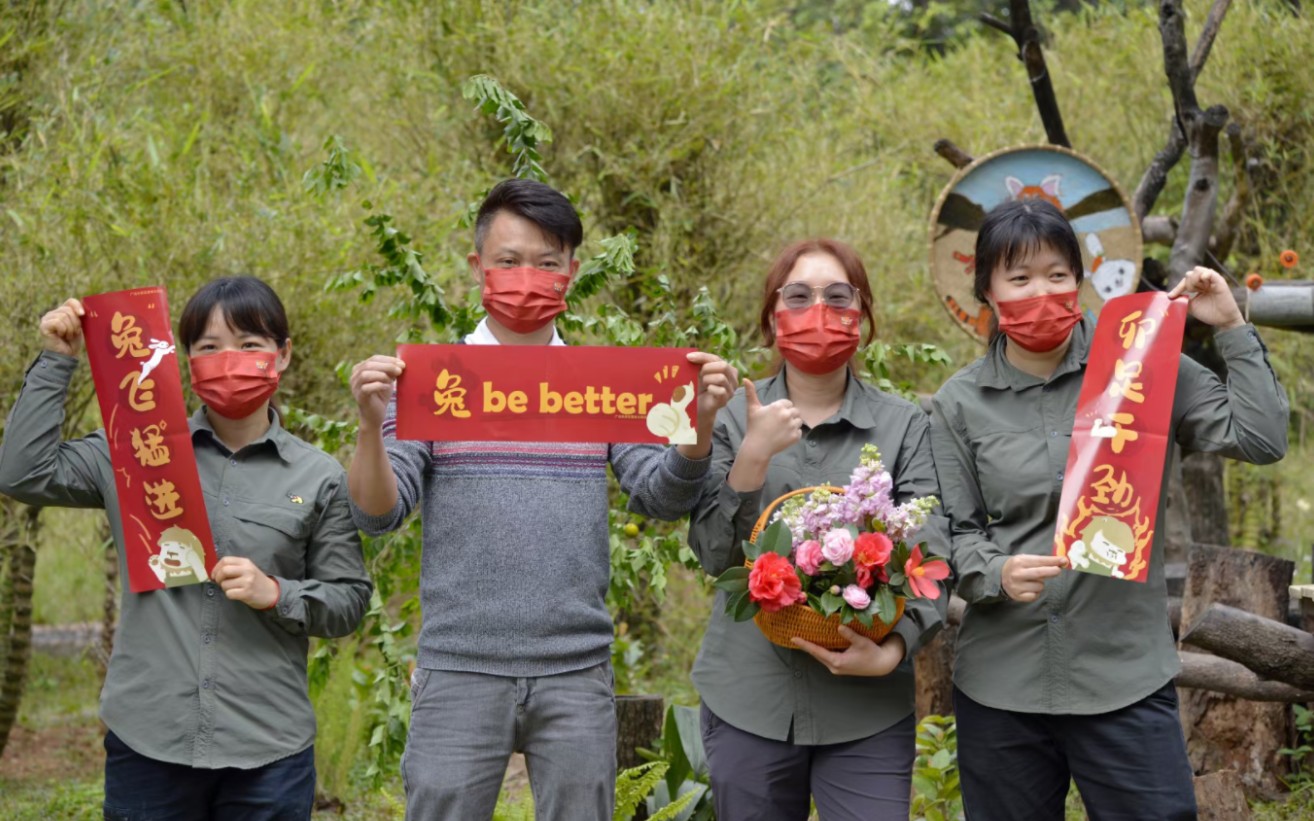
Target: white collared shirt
[(483, 335)]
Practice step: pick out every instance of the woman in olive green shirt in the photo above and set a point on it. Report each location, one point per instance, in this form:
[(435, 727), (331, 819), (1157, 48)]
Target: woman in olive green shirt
[(205, 698), (781, 726), (1063, 675)]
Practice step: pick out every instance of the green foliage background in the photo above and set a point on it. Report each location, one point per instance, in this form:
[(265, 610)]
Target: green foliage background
[(169, 142)]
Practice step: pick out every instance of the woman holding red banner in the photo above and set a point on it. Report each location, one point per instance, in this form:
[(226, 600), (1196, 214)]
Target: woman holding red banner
[(782, 727), (1065, 676), (205, 697)]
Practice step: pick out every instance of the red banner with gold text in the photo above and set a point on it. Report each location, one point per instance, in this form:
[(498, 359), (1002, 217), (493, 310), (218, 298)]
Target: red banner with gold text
[(130, 347), (1111, 487), (546, 393)]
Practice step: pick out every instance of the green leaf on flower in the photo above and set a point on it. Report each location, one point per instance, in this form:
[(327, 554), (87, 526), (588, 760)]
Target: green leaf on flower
[(830, 603), (745, 608), (896, 579), (733, 580), (883, 601), (776, 539), (752, 549), (865, 617), (733, 600), (852, 529), (814, 601)]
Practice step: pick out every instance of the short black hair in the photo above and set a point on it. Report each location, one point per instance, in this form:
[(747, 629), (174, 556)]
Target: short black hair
[(1015, 230), (248, 305), (541, 204)]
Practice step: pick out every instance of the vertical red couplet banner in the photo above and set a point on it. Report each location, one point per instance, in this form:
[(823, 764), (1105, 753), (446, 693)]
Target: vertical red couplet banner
[(130, 346), (1111, 487), (547, 393)]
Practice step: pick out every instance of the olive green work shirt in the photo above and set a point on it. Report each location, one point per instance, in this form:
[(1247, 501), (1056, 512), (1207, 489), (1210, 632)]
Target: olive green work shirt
[(768, 690), (196, 679), (1089, 644)]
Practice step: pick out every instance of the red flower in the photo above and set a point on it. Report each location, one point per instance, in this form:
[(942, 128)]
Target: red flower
[(872, 550), (922, 577), (773, 584), (1289, 258)]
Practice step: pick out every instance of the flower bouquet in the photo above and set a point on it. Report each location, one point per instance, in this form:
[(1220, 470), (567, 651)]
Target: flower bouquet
[(834, 556)]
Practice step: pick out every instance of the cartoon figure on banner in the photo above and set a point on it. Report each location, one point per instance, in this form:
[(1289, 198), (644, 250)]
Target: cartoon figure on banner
[(181, 559), (1103, 547), (159, 349), (671, 420), (1108, 536), (1048, 190)]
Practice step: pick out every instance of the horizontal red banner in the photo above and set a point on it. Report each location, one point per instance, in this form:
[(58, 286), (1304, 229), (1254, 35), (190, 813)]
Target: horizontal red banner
[(166, 531), (546, 393)]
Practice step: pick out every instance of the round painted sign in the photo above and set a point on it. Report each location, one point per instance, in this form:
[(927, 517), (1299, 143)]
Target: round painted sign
[(1100, 213)]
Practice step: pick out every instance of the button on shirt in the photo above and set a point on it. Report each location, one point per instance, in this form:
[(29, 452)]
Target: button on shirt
[(197, 679), (768, 690), (1089, 644)]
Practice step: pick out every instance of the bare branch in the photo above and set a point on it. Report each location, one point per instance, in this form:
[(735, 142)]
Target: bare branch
[(1159, 230), (956, 156), (1226, 232), (995, 23), (1156, 176), (1027, 37), (1197, 220), (1202, 46), (1172, 29)]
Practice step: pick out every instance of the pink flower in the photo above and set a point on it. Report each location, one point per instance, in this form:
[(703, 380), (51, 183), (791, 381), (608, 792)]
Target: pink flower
[(808, 557), (872, 550), (857, 597), (838, 548), (922, 577), (773, 584), (865, 576)]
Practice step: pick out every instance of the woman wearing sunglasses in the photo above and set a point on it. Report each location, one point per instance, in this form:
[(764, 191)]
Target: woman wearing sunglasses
[(784, 726)]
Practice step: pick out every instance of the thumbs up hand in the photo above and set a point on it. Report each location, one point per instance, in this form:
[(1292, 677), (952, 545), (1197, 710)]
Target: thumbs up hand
[(771, 428)]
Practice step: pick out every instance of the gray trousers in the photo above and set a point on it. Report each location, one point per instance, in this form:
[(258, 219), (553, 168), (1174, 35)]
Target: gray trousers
[(465, 726), (758, 779)]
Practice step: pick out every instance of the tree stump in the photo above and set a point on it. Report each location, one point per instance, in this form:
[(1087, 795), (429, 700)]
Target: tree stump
[(1221, 797), (1223, 732), (933, 668), (638, 724)]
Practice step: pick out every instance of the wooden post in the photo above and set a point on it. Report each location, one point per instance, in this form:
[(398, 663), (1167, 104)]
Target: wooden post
[(1223, 732)]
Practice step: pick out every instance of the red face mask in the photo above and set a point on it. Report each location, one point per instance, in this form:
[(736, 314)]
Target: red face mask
[(524, 299), (234, 384), (1039, 323), (818, 339)]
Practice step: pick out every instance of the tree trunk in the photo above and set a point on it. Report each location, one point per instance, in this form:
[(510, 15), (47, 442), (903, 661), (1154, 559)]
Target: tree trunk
[(1223, 732), (638, 724), (1202, 482), (16, 612), (1221, 797), (1206, 672), (934, 671), (1270, 648)]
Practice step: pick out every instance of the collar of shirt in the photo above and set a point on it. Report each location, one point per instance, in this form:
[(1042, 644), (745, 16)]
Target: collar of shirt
[(483, 335), (997, 372), (276, 437), (854, 409)]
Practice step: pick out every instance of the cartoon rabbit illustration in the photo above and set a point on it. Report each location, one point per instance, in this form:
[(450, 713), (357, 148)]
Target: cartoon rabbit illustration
[(1111, 277)]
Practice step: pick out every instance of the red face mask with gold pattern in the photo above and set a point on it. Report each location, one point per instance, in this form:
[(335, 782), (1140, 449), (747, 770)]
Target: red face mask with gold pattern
[(234, 384), (818, 339), (1039, 323), (524, 299)]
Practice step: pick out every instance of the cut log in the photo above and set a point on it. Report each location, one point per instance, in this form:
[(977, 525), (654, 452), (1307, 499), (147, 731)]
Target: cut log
[(1269, 647), (1220, 796), (1206, 672), (1223, 732), (638, 724)]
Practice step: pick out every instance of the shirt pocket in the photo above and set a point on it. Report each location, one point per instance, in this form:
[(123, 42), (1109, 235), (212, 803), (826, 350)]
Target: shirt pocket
[(273, 537), (1012, 464)]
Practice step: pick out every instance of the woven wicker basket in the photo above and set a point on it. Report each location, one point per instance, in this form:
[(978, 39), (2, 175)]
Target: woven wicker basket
[(804, 622)]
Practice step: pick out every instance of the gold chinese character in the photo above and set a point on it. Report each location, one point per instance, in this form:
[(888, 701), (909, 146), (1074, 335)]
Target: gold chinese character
[(141, 392), (450, 396), (1124, 382), (126, 337), (163, 500), (1108, 489), (1133, 328), (148, 446), (1120, 435)]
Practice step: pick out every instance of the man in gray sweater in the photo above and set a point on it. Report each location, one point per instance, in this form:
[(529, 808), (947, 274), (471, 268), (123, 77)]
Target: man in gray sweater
[(514, 650)]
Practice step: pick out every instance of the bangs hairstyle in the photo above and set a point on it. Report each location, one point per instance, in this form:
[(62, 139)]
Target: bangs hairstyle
[(1015, 230), (788, 258), (248, 305), (541, 204)]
